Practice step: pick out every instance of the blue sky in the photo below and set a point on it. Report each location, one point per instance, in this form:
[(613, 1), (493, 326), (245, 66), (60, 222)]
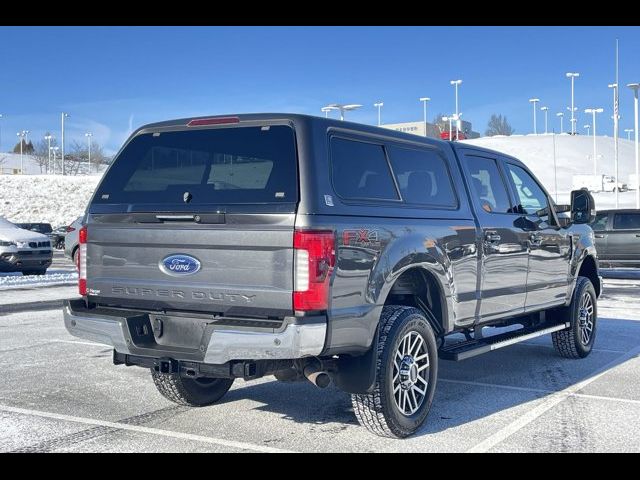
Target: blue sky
[(112, 79)]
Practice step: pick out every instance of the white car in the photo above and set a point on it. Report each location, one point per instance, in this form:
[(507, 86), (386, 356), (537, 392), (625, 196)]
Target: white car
[(23, 250)]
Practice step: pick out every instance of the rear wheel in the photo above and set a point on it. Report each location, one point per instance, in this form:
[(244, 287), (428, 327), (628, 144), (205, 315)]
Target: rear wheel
[(406, 375), (191, 392), (577, 340)]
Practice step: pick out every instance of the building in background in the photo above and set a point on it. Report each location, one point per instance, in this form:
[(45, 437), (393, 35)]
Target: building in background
[(433, 131)]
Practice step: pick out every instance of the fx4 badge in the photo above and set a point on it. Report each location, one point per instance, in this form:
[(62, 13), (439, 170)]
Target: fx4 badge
[(360, 238)]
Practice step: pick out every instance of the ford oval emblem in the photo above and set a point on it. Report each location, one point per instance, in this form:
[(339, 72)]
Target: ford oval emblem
[(179, 264)]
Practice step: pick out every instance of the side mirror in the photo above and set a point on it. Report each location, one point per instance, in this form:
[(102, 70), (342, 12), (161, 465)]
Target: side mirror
[(583, 207)]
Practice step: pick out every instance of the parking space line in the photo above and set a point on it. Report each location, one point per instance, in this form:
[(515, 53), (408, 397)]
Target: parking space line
[(93, 344), (147, 430), (550, 402), (538, 390)]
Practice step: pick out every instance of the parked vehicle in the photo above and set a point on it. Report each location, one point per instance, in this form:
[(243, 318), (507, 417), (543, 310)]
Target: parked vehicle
[(598, 183), (44, 228), (311, 248), (617, 234), (57, 236), (455, 134), (23, 250), (71, 240)]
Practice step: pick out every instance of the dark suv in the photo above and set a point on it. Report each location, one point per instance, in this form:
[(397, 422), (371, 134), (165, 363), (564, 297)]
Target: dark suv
[(617, 235), (309, 248)]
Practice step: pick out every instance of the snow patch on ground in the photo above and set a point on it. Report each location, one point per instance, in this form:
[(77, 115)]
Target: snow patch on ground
[(45, 198), (17, 280)]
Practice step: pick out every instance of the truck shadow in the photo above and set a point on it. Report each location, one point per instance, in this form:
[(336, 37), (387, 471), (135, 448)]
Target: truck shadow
[(467, 391)]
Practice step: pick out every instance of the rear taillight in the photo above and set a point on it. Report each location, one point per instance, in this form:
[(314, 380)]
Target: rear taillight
[(313, 263), (82, 261)]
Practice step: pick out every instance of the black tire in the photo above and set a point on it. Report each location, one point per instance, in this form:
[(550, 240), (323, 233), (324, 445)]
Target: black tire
[(379, 411), (570, 343), (34, 272), (189, 391)]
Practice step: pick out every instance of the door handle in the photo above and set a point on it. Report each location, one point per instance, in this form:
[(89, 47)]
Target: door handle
[(600, 235), (535, 239), (492, 237)]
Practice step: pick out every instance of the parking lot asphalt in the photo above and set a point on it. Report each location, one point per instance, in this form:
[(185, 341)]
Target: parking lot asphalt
[(59, 393)]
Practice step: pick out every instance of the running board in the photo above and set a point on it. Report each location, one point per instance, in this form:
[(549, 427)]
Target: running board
[(470, 348)]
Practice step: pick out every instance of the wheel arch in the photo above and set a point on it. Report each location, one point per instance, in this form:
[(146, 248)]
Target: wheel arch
[(589, 268)]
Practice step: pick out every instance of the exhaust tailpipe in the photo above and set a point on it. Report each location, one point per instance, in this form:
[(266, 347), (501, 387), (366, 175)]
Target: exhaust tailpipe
[(316, 376)]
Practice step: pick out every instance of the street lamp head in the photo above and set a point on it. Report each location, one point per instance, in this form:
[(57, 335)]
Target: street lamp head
[(425, 99), (560, 114), (455, 82), (572, 74), (633, 86), (586, 126), (544, 108), (534, 100), (613, 85), (88, 134), (445, 119), (378, 104)]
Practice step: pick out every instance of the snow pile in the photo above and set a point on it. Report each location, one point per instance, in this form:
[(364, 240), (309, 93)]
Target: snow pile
[(10, 281), (45, 198), (573, 155)]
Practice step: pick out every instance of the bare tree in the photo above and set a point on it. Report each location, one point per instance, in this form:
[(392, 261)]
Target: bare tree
[(41, 155), (498, 125), (440, 124)]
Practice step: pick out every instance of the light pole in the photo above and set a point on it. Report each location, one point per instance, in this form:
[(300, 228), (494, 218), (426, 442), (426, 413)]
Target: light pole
[(343, 108), (326, 111), (593, 111), (62, 116), (89, 135), (379, 105), (1, 117), (424, 100), (21, 136), (55, 150), (635, 87), (48, 138), (455, 83), (616, 117), (560, 115), (588, 127), (572, 76), (534, 101), (628, 132), (545, 110)]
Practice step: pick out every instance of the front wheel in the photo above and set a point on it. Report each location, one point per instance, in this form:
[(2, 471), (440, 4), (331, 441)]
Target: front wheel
[(577, 340), (191, 392), (406, 374)]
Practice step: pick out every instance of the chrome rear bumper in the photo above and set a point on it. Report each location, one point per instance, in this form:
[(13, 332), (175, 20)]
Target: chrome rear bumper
[(218, 345)]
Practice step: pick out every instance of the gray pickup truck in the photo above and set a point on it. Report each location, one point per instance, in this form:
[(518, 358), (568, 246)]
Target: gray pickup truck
[(309, 248)]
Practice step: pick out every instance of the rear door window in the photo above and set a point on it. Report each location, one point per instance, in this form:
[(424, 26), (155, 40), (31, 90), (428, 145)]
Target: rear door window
[(243, 165), (626, 221), (423, 177), (360, 171), (487, 184)]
